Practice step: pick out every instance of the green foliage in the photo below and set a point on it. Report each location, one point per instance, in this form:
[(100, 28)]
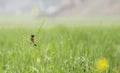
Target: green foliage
[(59, 49)]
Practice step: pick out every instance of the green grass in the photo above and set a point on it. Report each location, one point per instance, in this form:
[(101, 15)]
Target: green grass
[(59, 49)]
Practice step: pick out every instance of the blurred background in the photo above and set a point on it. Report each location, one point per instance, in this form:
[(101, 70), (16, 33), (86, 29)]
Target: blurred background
[(64, 10)]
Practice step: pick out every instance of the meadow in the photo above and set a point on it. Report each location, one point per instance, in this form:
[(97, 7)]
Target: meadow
[(60, 49)]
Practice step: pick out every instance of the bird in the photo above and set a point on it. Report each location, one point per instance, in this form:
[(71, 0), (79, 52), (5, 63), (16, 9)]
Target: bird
[(33, 40)]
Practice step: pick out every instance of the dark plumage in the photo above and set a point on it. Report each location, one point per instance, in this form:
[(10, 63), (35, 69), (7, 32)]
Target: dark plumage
[(33, 39)]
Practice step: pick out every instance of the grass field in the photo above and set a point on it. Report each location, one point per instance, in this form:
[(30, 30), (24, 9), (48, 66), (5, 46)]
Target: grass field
[(60, 49)]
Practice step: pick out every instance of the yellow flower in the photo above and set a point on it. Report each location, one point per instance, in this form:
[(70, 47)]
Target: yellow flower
[(35, 10), (102, 64)]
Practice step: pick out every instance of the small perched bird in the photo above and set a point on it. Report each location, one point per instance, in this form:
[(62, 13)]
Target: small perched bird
[(33, 40)]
